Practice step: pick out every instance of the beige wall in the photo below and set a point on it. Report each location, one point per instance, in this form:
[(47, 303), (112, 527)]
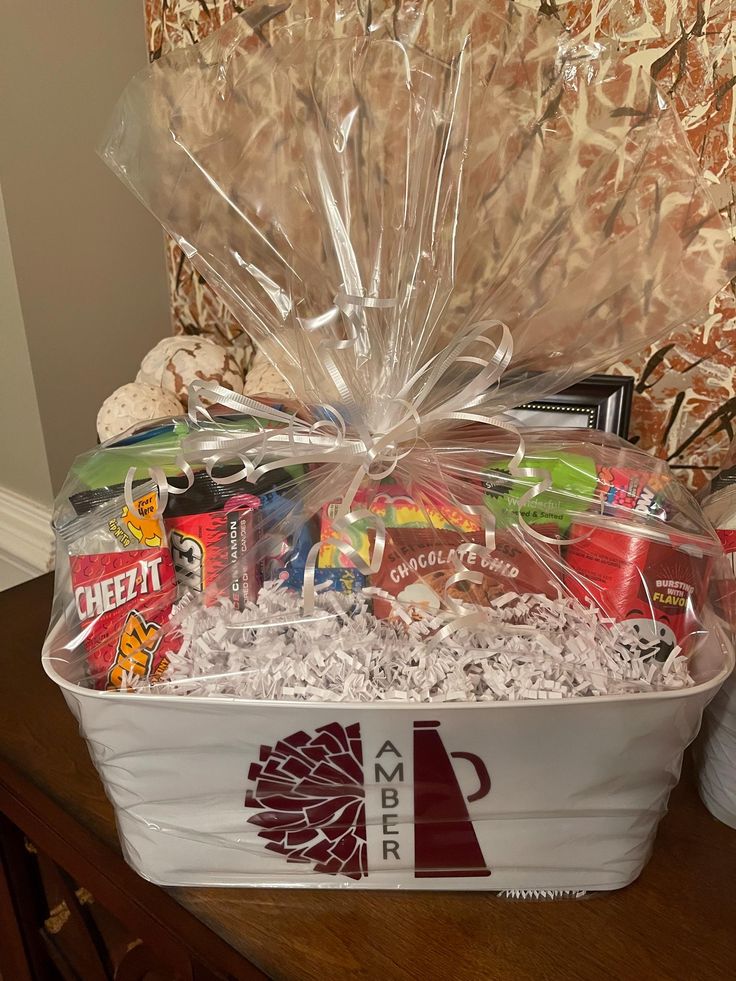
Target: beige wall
[(23, 466), (88, 258)]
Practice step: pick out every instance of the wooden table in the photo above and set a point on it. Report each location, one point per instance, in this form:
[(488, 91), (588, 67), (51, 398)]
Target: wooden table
[(677, 921)]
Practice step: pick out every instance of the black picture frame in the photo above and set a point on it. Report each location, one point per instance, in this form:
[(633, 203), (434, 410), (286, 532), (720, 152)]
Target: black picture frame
[(600, 402)]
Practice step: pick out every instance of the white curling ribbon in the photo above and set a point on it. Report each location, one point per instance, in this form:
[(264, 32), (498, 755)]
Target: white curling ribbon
[(157, 475), (412, 419), (306, 442), (349, 307), (461, 574)]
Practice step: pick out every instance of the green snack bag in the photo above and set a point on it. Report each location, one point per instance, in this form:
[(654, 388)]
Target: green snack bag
[(108, 465), (574, 484)]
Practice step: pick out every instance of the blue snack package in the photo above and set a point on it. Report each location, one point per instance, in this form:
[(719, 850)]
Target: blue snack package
[(343, 580), (288, 566)]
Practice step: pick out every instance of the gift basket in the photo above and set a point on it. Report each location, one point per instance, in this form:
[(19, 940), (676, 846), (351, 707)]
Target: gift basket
[(374, 634)]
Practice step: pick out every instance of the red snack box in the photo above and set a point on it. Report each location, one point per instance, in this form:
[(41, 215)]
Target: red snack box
[(123, 599), (621, 487), (213, 551)]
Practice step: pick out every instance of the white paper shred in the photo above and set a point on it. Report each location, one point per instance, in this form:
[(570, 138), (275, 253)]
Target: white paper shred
[(532, 647)]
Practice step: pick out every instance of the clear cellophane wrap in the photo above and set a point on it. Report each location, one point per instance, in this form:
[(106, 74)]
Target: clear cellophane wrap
[(421, 240)]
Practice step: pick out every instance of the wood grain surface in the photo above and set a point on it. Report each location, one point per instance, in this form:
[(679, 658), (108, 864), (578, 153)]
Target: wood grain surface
[(677, 921)]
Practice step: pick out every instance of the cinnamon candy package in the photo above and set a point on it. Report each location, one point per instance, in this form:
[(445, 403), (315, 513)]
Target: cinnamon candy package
[(385, 582)]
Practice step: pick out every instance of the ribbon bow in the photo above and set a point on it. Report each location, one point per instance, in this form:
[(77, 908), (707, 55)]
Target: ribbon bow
[(410, 421)]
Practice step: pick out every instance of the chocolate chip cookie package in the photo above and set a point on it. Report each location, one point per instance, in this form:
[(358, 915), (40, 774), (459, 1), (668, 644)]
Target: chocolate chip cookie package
[(373, 633)]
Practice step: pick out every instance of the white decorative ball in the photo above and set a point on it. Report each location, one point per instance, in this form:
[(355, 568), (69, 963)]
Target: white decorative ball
[(263, 378), (176, 362), (132, 404)]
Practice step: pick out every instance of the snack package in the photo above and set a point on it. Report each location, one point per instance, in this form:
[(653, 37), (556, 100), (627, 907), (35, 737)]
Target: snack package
[(574, 479), (656, 583), (397, 508), (114, 525), (420, 237), (211, 532), (423, 538), (122, 585), (215, 548), (122, 601), (415, 576)]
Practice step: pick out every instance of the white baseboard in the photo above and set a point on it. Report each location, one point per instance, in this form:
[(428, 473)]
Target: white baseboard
[(26, 536)]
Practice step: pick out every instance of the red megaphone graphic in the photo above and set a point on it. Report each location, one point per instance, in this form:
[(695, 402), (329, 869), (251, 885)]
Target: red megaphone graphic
[(445, 843)]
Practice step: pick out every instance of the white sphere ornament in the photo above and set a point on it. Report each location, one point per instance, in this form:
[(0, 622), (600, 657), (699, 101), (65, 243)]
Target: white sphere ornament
[(264, 379), (175, 362), (132, 404)]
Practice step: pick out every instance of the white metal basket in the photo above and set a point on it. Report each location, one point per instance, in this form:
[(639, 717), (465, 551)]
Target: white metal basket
[(562, 795)]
